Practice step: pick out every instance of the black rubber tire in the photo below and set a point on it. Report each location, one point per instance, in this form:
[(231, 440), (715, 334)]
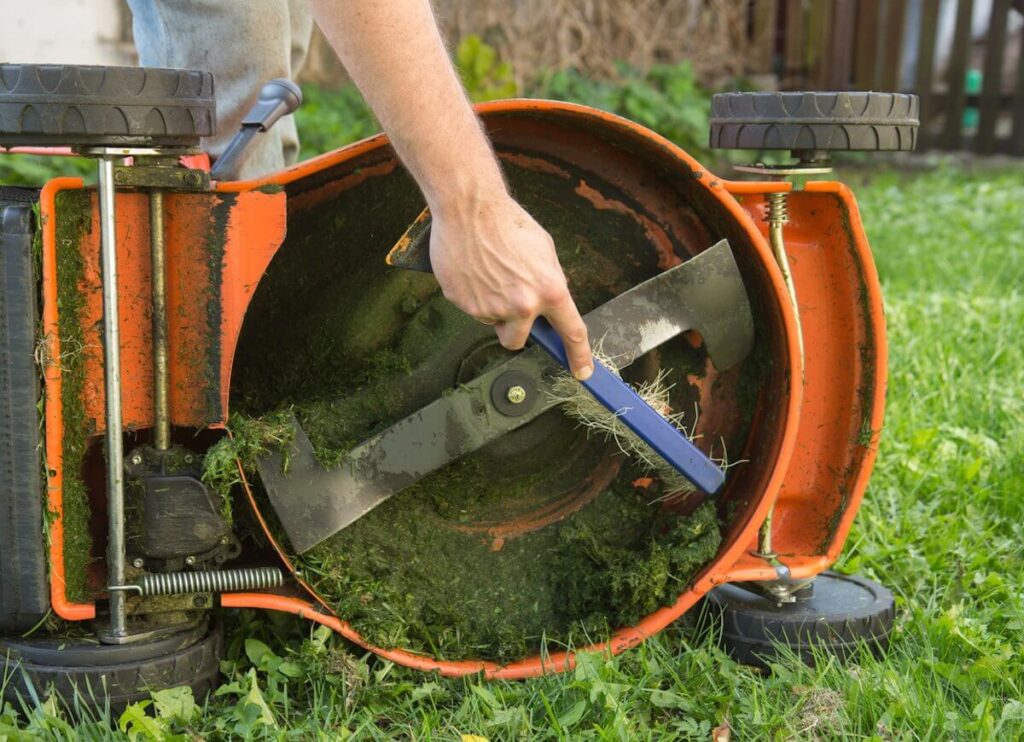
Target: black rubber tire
[(85, 105), (845, 613), (110, 675), (24, 598), (822, 122)]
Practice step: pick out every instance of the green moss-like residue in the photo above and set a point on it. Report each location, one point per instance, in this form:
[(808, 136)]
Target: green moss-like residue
[(73, 211), (405, 578), (351, 346)]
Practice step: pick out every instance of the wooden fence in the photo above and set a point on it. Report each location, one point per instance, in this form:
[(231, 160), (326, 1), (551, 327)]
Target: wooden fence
[(971, 84)]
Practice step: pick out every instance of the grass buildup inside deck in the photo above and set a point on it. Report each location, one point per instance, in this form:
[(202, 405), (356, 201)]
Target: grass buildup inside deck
[(360, 347), (74, 210), (406, 575)]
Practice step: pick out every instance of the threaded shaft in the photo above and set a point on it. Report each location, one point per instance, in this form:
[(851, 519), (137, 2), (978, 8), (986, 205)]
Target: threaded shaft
[(778, 208)]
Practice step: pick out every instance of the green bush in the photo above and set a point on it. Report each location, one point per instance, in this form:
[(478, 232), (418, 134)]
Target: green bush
[(666, 99), (329, 119), (484, 75), (35, 170)]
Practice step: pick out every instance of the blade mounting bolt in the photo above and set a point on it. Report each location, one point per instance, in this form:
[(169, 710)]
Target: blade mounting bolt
[(516, 394)]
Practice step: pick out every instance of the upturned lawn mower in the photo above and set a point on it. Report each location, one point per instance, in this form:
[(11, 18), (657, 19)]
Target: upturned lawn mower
[(387, 469)]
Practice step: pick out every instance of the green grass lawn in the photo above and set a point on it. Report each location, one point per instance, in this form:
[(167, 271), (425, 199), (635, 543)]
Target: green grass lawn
[(941, 526)]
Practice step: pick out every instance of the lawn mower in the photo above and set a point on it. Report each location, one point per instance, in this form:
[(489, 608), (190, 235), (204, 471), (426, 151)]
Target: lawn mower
[(141, 315)]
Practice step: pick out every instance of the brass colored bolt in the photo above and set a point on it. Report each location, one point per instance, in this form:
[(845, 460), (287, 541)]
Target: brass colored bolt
[(516, 394)]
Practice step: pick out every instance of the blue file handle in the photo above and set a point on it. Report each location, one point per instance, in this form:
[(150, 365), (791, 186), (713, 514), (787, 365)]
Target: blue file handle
[(637, 415)]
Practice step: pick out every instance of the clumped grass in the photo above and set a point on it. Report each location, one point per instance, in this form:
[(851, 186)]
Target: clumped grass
[(582, 406), (941, 525), (250, 439)]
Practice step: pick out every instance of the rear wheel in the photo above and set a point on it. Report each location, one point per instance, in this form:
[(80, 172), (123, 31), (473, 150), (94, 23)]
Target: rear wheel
[(85, 105), (24, 598), (109, 674)]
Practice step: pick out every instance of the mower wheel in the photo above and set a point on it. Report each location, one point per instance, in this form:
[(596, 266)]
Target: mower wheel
[(844, 614), (96, 106), (815, 122), (24, 593), (110, 675)]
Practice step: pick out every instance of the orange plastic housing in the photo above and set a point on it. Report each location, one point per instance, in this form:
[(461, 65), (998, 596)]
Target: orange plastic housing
[(817, 446)]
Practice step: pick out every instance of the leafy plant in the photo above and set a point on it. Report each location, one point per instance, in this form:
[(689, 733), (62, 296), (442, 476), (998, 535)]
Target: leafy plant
[(329, 119), (666, 98), (35, 170), (485, 76)]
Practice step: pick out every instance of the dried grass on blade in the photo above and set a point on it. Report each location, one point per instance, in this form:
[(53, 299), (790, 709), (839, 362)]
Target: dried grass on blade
[(581, 405)]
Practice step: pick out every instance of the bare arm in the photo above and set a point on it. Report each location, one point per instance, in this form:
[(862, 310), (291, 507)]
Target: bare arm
[(491, 258)]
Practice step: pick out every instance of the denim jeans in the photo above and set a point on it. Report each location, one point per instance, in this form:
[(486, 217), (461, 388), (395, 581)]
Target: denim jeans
[(243, 43)]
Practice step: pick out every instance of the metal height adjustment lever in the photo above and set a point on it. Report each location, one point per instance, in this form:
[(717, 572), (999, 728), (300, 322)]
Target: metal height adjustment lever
[(278, 98)]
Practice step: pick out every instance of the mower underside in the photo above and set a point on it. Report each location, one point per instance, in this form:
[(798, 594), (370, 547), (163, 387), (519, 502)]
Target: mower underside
[(279, 301)]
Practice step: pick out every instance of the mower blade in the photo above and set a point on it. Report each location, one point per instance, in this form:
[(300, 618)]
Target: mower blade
[(705, 293), (314, 503)]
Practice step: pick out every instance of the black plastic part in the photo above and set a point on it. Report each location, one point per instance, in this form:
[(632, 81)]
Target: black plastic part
[(85, 105), (815, 122), (118, 674), (845, 613), (179, 516), (24, 598), (277, 98)]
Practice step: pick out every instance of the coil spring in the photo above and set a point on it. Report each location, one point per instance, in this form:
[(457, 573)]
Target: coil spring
[(215, 581), (778, 207)]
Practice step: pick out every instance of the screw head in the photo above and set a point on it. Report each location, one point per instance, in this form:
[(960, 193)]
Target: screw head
[(516, 394), (138, 562), (135, 459), (225, 540), (190, 560)]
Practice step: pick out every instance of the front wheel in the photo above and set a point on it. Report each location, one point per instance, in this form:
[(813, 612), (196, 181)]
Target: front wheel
[(815, 122)]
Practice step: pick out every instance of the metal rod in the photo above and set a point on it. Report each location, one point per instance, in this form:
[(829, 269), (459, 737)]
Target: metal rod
[(162, 418), (112, 387), (777, 218)]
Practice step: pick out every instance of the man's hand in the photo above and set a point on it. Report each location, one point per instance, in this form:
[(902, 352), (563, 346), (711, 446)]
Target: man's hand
[(492, 260), (497, 264)]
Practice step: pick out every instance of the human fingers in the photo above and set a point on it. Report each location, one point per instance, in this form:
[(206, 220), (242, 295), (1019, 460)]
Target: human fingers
[(565, 318), (513, 334)]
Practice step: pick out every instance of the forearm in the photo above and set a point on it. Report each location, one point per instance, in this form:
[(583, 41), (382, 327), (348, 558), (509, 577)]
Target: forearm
[(490, 257), (395, 55)]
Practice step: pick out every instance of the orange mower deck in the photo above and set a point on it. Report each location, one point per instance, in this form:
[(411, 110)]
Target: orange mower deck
[(812, 440)]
